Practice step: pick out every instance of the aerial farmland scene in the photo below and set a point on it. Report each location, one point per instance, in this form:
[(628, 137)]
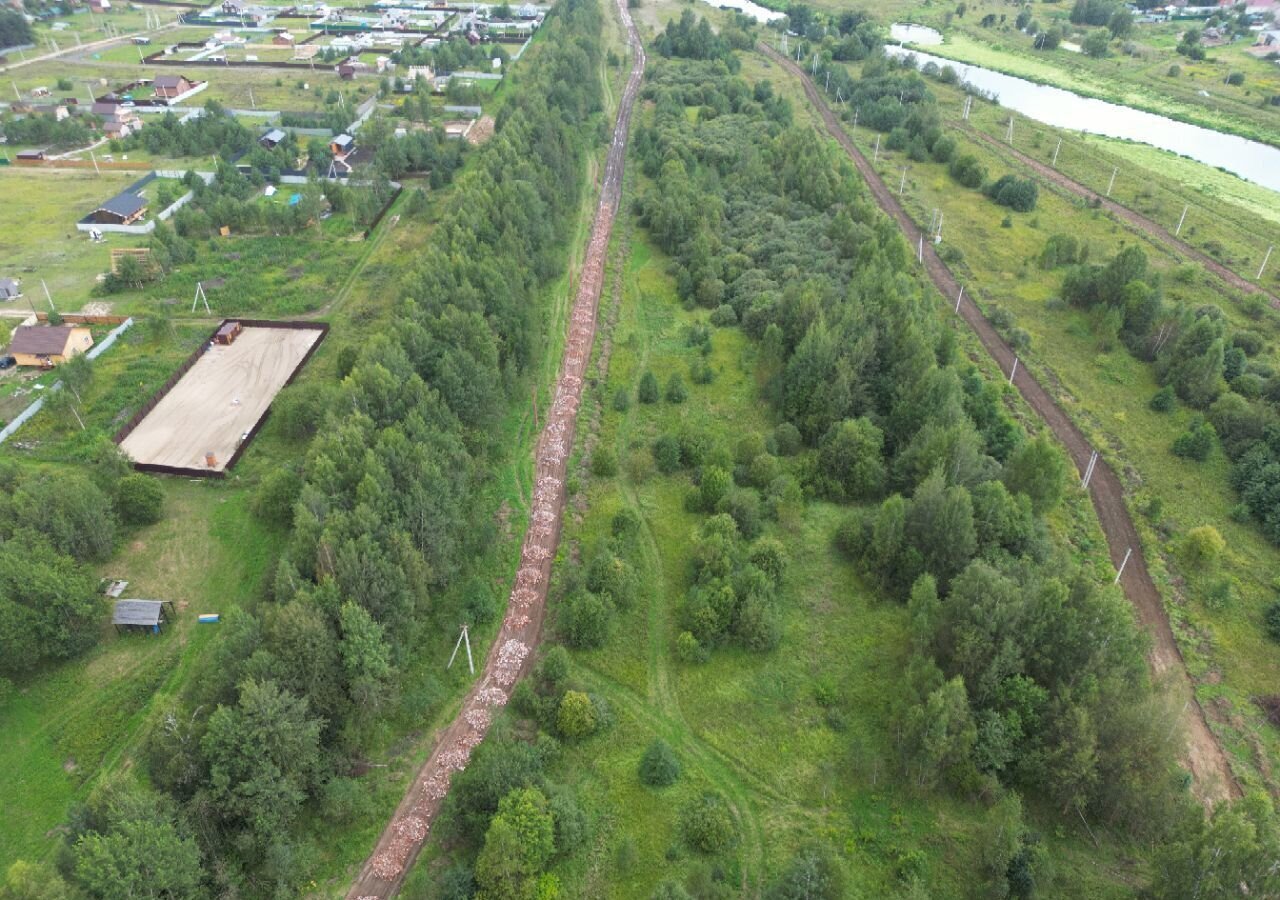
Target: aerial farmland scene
[(639, 449)]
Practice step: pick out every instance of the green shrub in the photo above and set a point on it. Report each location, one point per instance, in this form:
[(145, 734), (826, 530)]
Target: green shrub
[(604, 462), (688, 649), (724, 316), (648, 392), (621, 400), (707, 825), (576, 716), (277, 493), (666, 454), (584, 620), (1164, 400), (1196, 442), (138, 499), (1271, 620), (659, 766), (1204, 545), (787, 440), (676, 391)]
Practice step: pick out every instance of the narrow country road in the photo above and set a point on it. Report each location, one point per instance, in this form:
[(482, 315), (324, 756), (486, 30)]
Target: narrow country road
[(1159, 232), (512, 652), (1204, 756)]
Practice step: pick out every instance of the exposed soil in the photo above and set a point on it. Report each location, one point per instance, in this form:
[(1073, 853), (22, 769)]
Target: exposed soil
[(512, 652), (1213, 779), (1133, 218)]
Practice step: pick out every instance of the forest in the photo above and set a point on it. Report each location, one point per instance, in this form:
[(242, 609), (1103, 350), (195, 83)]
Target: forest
[(1017, 649), (383, 519)]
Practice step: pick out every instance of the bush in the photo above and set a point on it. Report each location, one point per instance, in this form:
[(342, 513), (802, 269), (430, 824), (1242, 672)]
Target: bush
[(604, 462), (666, 454), (688, 649), (139, 499), (707, 825), (273, 502), (787, 440), (1271, 620), (967, 170), (584, 620), (1204, 545), (676, 391), (576, 717), (724, 316), (648, 392), (659, 766), (1164, 399), (1174, 70), (1236, 79), (1019, 194), (621, 401), (1196, 442), (346, 360)]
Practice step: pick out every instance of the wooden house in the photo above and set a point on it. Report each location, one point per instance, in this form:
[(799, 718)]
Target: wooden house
[(46, 346)]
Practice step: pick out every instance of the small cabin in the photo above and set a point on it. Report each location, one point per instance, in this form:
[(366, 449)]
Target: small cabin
[(227, 334), (148, 616)]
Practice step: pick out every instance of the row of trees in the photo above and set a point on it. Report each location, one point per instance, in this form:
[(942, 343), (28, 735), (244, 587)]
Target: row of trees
[(384, 517)]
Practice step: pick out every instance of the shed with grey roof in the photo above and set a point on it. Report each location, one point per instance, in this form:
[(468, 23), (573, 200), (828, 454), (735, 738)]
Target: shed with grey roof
[(141, 615)]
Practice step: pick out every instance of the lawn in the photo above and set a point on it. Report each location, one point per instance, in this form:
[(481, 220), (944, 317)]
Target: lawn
[(1106, 390), (38, 238)]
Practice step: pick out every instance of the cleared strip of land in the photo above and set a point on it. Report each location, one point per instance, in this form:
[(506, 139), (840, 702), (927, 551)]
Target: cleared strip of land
[(220, 399)]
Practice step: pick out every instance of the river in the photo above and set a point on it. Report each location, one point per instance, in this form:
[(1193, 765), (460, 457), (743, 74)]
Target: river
[(747, 8), (1251, 160)]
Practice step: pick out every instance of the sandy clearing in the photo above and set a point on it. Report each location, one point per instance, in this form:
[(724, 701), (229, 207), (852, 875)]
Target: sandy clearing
[(221, 398)]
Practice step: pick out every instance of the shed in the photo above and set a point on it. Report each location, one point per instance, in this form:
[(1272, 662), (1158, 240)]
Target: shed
[(227, 333), (30, 156), (272, 138), (341, 144), (9, 289), (48, 345), (122, 209), (141, 615)]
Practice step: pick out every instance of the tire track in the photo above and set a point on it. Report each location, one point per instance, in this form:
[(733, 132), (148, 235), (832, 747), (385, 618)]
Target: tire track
[(1204, 756), (1136, 219), (511, 654)]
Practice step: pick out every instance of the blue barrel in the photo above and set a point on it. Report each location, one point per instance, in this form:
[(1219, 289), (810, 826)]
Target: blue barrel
[(209, 619)]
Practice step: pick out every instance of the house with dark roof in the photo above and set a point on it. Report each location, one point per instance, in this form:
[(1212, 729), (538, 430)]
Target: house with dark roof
[(46, 346), (122, 209), (272, 138), (9, 289)]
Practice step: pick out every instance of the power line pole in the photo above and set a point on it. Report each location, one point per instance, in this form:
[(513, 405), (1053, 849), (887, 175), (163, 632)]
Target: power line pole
[(1112, 183), (1181, 219), (903, 185), (463, 639), (1014, 370), (1088, 471), (1124, 562), (874, 156), (959, 297), (1055, 153), (1264, 261)]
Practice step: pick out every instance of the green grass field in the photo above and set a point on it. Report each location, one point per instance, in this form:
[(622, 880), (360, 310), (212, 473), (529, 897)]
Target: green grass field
[(38, 238)]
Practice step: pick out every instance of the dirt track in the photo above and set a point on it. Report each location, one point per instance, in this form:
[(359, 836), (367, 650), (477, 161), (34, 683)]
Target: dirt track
[(512, 652), (1204, 755), (1133, 218)]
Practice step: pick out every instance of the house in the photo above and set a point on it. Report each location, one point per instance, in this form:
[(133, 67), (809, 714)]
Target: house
[(342, 145), (167, 87), (347, 72), (99, 6), (272, 138), (105, 109), (233, 7), (282, 39), (122, 209), (47, 346), (141, 615), (416, 72), (227, 333), (9, 289)]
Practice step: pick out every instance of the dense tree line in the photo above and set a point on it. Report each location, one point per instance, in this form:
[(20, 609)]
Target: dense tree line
[(691, 37), (40, 129), (216, 132), (452, 55), (383, 518), (1010, 687)]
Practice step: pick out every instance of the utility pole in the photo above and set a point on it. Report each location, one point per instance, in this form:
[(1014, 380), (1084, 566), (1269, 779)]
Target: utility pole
[(96, 170), (46, 293), (903, 185), (1055, 153), (874, 156), (1264, 261), (1181, 219), (1112, 183), (959, 297), (1009, 136), (1014, 370), (1123, 563), (463, 639), (1088, 471), (920, 251)]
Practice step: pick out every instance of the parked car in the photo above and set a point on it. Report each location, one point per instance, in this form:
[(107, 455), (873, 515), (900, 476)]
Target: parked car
[(7, 362)]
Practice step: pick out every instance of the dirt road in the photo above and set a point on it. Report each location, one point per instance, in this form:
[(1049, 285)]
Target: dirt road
[(512, 652), (1159, 232), (1204, 755)]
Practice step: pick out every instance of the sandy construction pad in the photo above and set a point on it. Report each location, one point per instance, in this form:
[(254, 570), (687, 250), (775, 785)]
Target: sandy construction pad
[(220, 399)]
